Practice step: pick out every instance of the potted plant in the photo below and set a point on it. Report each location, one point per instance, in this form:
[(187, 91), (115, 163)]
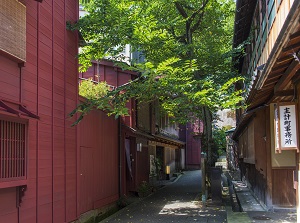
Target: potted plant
[(144, 189)]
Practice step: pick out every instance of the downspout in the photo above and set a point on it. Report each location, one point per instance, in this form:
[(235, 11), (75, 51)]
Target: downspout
[(21, 65), (120, 156), (19, 189), (186, 145)]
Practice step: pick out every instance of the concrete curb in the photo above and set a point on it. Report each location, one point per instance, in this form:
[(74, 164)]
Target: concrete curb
[(232, 216)]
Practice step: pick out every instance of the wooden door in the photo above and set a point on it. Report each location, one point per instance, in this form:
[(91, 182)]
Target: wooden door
[(86, 179), (130, 164)]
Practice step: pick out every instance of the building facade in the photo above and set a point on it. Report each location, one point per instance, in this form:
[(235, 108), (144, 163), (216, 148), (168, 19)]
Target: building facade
[(267, 128), (38, 88), (51, 171), (145, 135)]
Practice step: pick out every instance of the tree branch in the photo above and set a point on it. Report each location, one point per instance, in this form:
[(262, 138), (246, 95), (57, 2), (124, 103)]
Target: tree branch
[(192, 17), (180, 39), (196, 26), (181, 10)]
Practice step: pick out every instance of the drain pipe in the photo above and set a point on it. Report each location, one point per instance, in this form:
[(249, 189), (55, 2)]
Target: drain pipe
[(120, 156), (298, 188)]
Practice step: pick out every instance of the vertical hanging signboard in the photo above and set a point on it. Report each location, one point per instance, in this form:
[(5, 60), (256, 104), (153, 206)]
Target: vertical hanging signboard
[(276, 128), (286, 137)]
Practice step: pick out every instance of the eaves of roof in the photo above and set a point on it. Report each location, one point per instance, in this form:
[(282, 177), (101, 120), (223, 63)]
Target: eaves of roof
[(244, 120), (242, 24), (243, 19), (275, 83), (136, 132), (157, 137), (168, 140)]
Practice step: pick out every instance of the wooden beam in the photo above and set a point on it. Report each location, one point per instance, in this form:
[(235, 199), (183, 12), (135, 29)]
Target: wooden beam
[(284, 59), (287, 76), (279, 67), (275, 74), (284, 93), (294, 47), (295, 35)]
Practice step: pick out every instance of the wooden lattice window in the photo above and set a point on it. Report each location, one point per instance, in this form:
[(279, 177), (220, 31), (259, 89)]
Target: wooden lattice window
[(271, 13), (12, 151)]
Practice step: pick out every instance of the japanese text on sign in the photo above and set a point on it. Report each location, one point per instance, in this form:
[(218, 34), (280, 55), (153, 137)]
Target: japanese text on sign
[(288, 135)]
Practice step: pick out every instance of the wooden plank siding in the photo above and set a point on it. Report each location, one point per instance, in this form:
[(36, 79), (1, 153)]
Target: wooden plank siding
[(98, 161), (287, 195), (143, 166), (106, 168), (261, 58), (143, 117), (260, 142), (115, 77), (47, 85), (193, 149), (271, 63)]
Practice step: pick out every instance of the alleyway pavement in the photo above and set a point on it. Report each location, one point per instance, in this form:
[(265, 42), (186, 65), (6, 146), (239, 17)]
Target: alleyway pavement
[(251, 210), (180, 201), (177, 202)]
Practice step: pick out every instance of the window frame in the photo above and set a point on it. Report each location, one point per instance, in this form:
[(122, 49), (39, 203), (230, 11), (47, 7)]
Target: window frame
[(21, 180)]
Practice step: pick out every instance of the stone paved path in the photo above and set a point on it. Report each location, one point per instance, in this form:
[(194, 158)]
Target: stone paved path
[(177, 202)]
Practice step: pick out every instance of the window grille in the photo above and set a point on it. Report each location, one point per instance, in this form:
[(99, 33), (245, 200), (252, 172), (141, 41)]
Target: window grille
[(271, 13), (263, 8), (12, 151)]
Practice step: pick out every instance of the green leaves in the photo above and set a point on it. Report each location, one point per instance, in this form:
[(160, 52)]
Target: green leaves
[(92, 91), (187, 46)]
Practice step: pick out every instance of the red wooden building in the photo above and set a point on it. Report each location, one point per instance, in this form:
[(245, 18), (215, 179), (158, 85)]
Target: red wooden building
[(38, 88), (50, 171), (102, 147), (193, 145), (98, 162), (138, 139)]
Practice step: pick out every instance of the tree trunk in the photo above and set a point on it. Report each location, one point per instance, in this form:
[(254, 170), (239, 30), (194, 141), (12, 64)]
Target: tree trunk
[(207, 136)]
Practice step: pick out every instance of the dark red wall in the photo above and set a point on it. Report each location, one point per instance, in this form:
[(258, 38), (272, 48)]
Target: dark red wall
[(47, 85), (143, 166), (114, 76), (98, 161), (193, 149), (99, 151)]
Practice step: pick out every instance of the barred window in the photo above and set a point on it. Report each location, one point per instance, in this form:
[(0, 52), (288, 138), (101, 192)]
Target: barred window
[(271, 13), (263, 8), (12, 151)]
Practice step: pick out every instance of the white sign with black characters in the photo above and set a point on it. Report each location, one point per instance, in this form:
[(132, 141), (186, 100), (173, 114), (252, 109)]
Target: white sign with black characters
[(276, 124), (287, 126)]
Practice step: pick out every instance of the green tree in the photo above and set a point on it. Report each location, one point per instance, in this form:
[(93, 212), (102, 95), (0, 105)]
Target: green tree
[(219, 137), (188, 67)]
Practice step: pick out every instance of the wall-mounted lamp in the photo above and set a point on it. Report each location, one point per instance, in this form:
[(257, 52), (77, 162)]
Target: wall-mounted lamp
[(139, 147), (167, 172)]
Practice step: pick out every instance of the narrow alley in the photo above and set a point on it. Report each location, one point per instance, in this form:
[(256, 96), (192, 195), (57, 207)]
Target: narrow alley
[(177, 202)]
